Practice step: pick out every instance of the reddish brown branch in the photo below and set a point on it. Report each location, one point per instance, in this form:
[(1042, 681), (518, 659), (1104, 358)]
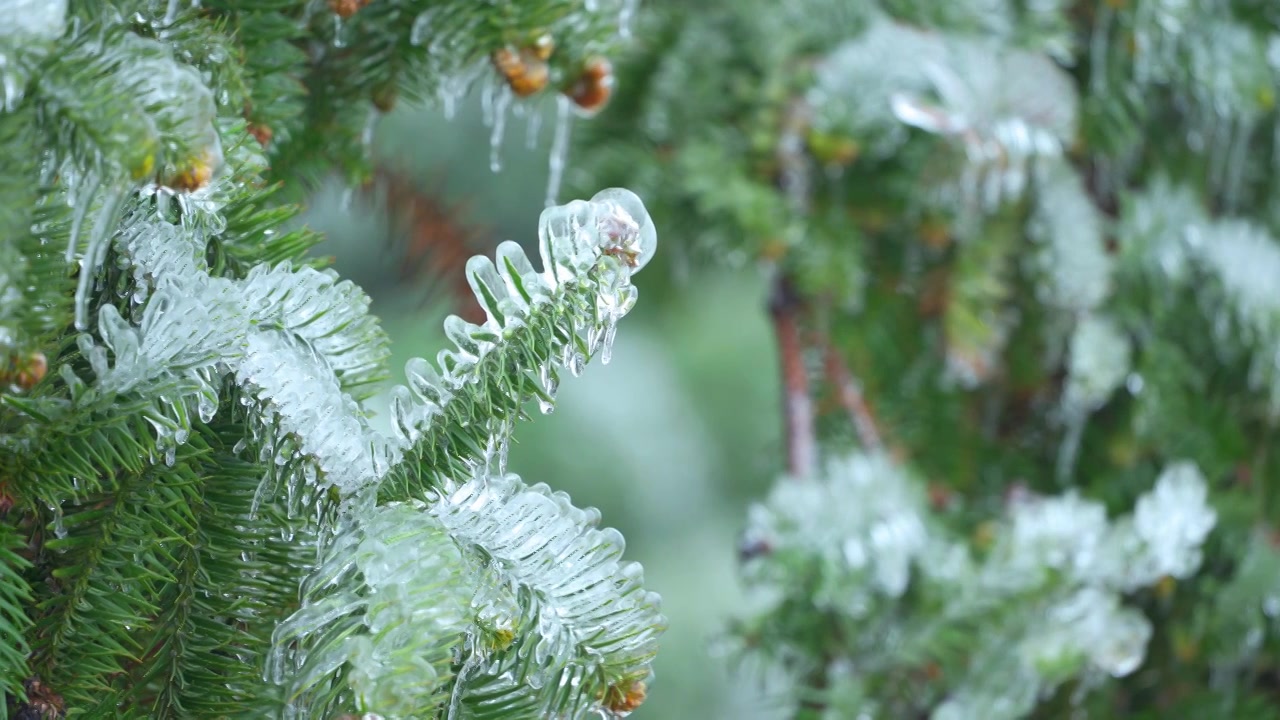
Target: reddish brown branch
[(849, 394), (797, 403)]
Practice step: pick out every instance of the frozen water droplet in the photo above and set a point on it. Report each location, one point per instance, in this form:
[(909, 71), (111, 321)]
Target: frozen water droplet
[(606, 352), (59, 530), (1134, 383), (550, 381), (627, 231)]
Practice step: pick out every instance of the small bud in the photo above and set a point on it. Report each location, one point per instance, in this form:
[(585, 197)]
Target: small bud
[(593, 86), (346, 8), (24, 372), (624, 697), (525, 72)]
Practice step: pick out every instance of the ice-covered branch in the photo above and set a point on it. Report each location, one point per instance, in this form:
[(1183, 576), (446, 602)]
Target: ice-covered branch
[(389, 601), (298, 340), (538, 324), (513, 582), (1046, 596), (1166, 232), (1002, 108), (582, 624)]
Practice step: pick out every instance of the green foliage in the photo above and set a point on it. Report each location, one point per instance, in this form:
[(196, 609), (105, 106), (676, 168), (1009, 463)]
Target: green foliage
[(197, 516), (1041, 238)]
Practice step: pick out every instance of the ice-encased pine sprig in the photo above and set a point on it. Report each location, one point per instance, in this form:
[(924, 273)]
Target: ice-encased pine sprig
[(389, 601), (567, 621), (537, 324), (512, 586), (297, 340), (557, 625)]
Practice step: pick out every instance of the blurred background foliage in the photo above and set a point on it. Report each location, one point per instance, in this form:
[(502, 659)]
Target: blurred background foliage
[(671, 440)]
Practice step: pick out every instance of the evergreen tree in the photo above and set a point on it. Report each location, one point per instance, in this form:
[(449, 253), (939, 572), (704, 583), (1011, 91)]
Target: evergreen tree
[(197, 518), (1027, 304)]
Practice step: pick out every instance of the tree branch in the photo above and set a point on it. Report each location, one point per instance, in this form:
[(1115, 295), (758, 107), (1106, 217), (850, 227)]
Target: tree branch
[(849, 394), (797, 404)]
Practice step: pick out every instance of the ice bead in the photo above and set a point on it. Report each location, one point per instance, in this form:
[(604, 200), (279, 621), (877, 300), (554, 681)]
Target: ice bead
[(626, 230)]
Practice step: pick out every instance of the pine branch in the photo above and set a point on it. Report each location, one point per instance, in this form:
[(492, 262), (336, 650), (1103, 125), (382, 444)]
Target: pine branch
[(583, 628), (381, 617), (538, 325), (237, 579), (15, 598)]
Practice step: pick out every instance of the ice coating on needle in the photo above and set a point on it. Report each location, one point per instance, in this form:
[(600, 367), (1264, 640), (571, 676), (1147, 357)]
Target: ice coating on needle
[(299, 341), (586, 616), (406, 610)]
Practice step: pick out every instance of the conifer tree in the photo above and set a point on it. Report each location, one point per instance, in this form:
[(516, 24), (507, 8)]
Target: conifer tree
[(1026, 293), (197, 518)]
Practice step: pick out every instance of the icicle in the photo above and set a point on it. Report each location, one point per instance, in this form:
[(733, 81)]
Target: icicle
[(366, 135), (94, 254), (59, 529), (1069, 451), (449, 100), (1235, 167), (171, 13), (489, 91), (421, 26), (504, 444), (533, 127), (606, 349), (455, 700), (550, 384), (626, 14), (501, 103), (81, 200), (559, 147), (339, 32)]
